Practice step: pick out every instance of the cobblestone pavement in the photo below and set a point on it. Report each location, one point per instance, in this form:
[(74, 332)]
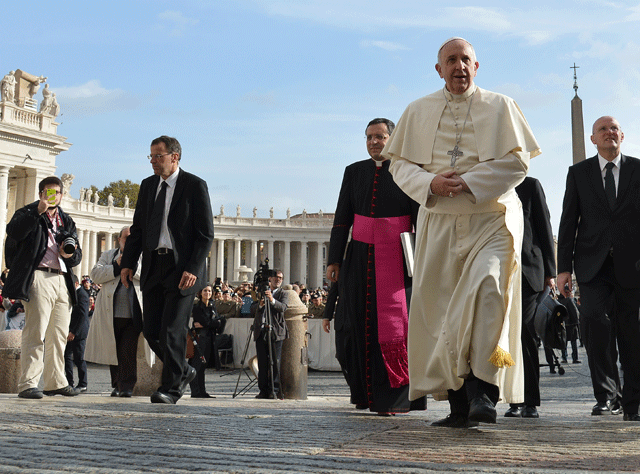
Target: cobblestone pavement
[(95, 433)]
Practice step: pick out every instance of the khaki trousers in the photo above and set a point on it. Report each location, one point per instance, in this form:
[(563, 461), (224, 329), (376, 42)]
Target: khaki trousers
[(44, 337)]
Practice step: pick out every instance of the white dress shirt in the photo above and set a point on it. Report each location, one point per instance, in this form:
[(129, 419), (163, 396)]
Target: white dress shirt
[(165, 237), (615, 170)]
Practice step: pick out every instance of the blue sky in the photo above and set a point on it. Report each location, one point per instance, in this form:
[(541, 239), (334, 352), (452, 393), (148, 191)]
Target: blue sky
[(270, 99)]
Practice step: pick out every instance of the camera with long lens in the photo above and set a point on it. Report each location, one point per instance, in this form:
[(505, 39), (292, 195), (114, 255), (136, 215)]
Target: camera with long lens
[(261, 278), (67, 240)]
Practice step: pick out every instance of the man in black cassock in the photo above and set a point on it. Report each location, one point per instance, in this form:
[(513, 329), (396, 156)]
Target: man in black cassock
[(371, 318)]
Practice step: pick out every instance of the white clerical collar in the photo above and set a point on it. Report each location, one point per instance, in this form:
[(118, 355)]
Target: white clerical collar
[(616, 161), (460, 97)]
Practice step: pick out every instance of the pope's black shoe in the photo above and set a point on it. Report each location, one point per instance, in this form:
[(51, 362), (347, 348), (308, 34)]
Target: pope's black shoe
[(454, 420), (606, 408), (514, 411), (482, 410)]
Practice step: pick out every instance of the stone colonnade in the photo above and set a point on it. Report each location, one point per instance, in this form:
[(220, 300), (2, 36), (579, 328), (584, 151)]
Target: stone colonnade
[(297, 245), (300, 260)]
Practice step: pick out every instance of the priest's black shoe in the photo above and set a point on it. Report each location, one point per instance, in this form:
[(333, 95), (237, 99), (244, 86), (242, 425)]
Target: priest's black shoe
[(530, 412), (115, 392), (606, 408), (514, 411), (126, 394), (631, 417), (454, 420), (482, 410), (201, 395), (264, 395), (159, 397), (191, 374)]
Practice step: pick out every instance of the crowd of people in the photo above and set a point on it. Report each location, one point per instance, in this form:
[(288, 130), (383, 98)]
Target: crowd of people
[(440, 254)]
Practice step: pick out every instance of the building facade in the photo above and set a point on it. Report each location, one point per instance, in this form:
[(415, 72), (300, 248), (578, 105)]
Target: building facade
[(30, 144)]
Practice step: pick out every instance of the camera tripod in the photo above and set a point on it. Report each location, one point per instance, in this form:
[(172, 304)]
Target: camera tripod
[(268, 324)]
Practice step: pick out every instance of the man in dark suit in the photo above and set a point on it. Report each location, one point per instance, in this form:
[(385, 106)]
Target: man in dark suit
[(538, 272), (77, 339), (266, 362), (598, 239), (173, 230)]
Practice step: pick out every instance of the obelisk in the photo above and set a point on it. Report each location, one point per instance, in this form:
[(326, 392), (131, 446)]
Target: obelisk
[(577, 124)]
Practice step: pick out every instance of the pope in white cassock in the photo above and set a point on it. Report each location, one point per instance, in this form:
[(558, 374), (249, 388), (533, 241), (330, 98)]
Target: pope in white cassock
[(459, 153)]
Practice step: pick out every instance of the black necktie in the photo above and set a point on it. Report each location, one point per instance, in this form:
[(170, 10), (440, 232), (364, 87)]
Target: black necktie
[(155, 222), (610, 185)]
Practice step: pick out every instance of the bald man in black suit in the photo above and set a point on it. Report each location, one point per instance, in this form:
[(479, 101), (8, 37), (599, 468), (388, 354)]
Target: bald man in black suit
[(598, 239)]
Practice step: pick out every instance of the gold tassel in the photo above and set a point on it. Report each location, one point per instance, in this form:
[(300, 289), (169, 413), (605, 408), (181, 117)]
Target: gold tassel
[(501, 358)]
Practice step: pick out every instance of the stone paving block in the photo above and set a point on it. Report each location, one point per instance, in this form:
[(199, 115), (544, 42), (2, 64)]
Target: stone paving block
[(323, 434)]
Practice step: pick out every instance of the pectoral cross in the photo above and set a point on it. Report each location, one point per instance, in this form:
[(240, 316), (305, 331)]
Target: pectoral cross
[(455, 153)]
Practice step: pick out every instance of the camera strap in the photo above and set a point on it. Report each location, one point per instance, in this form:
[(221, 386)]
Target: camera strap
[(56, 220)]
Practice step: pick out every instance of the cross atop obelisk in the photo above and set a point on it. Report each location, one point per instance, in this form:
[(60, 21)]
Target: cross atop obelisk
[(577, 124)]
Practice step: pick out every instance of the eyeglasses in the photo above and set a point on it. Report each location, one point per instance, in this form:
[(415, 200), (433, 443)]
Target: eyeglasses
[(376, 137), (158, 156)]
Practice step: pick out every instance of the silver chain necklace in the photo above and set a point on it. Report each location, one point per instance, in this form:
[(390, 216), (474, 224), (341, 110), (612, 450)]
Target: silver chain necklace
[(455, 153)]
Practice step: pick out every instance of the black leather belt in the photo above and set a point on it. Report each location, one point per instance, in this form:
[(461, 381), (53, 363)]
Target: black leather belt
[(50, 270), (163, 251)]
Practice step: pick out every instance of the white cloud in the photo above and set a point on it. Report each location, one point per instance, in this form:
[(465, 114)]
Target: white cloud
[(91, 88), (479, 18), (537, 24), (91, 98), (386, 45), (175, 22)]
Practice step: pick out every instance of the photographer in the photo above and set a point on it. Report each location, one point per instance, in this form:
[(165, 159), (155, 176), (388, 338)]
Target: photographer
[(261, 331), (206, 324), (41, 248)]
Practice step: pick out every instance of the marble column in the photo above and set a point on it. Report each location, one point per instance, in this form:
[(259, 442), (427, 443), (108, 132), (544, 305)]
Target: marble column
[(320, 263), (213, 261), (286, 262), (220, 260), (303, 262), (270, 254), (237, 254), (93, 246), (85, 252), (31, 186), (313, 259), (253, 257), (4, 187)]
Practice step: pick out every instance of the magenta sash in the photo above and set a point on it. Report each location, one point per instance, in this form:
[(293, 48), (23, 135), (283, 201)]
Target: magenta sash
[(393, 320)]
